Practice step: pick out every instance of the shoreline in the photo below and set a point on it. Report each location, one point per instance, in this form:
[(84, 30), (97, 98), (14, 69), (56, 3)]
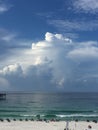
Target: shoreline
[(43, 125)]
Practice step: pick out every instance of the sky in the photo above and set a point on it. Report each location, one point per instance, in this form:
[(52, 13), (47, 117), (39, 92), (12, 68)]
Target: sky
[(49, 45)]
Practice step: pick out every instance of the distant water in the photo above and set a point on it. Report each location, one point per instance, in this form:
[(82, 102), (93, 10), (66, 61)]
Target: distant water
[(63, 106)]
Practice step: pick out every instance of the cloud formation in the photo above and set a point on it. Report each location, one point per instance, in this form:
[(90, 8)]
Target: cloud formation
[(88, 52), (55, 63), (4, 7), (74, 25), (88, 6)]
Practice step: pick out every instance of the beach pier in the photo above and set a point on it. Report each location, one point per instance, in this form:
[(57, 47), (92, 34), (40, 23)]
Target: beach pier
[(2, 96)]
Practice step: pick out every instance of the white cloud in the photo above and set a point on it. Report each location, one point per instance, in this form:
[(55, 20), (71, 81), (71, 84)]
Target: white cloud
[(53, 63), (8, 38), (86, 53), (90, 6), (12, 70), (4, 7), (74, 25), (49, 37)]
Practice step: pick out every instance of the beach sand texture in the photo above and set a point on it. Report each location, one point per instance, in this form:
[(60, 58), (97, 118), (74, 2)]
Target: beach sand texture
[(36, 125)]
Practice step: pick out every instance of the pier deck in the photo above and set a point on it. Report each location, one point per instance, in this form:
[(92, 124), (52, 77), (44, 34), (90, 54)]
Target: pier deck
[(2, 96)]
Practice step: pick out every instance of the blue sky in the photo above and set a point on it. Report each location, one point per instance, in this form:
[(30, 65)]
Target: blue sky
[(49, 45)]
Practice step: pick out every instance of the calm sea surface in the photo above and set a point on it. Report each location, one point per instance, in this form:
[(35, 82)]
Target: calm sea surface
[(61, 106)]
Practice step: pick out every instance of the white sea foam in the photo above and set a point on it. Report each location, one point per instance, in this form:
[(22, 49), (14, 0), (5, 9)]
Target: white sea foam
[(31, 115), (77, 115), (64, 116)]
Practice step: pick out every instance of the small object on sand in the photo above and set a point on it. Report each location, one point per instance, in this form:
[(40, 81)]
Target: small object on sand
[(45, 120), (20, 119), (76, 120), (26, 119), (89, 126), (14, 119), (53, 120), (95, 121), (1, 120), (8, 120), (32, 119)]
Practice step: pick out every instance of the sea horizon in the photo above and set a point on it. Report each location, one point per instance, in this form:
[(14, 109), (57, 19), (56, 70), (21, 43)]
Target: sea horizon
[(51, 92)]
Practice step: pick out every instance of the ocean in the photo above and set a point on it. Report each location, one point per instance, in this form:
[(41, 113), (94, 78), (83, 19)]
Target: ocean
[(60, 106)]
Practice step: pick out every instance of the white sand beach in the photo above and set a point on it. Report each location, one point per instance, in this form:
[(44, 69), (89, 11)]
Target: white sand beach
[(37, 125)]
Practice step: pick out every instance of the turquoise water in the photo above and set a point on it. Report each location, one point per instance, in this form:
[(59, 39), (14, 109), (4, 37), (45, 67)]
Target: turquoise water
[(63, 106)]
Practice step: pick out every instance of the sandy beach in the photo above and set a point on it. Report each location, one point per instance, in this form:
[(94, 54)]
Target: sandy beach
[(37, 125)]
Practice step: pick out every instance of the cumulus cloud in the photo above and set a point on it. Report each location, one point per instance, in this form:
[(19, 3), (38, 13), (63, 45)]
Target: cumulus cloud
[(55, 63), (90, 6), (11, 70), (51, 38)]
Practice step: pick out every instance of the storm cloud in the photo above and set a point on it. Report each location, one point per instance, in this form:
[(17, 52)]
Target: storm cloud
[(56, 63)]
